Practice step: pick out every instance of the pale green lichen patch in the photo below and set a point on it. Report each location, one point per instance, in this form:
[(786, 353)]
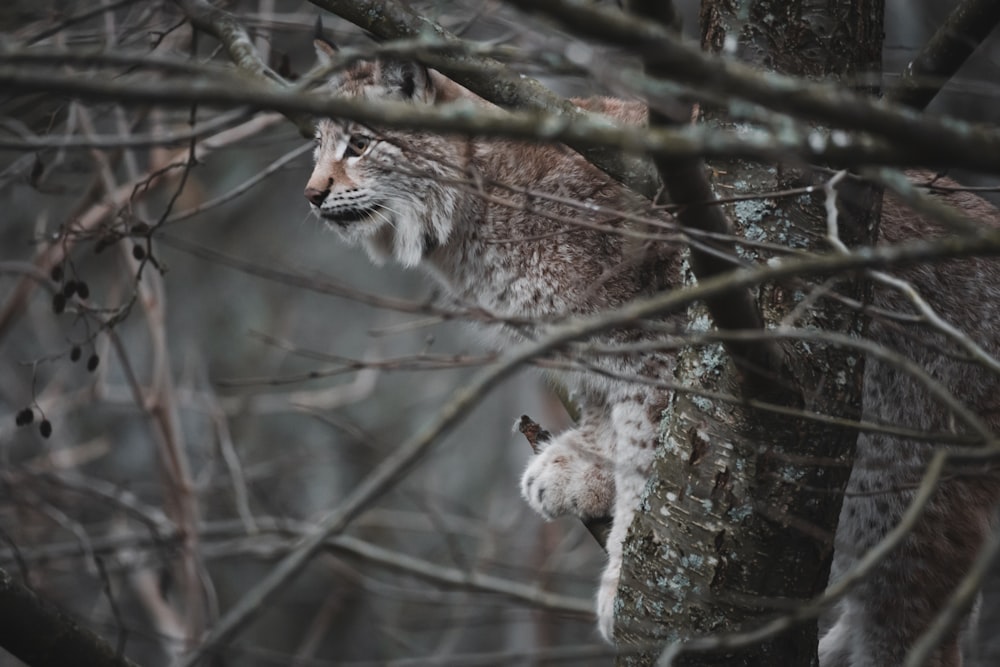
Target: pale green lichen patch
[(671, 446), (702, 403), (699, 321), (740, 513), (693, 560), (657, 609), (791, 474), (678, 584), (750, 212)]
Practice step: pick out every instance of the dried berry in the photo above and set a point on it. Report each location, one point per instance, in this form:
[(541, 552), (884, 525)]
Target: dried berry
[(45, 428), (138, 252), (58, 303), (25, 417), (82, 289), (69, 289), (74, 353), (57, 273), (92, 362)]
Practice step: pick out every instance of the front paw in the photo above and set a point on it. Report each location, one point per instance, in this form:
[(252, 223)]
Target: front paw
[(564, 479)]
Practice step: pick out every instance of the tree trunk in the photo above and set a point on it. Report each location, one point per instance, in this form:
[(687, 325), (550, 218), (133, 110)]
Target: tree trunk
[(737, 523)]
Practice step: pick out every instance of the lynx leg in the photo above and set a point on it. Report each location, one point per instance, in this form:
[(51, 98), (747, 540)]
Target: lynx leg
[(835, 646), (891, 609), (636, 435)]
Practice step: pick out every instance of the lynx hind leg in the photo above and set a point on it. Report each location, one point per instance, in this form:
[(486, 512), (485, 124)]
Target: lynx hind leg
[(835, 645), (888, 612), (574, 473), (636, 435)]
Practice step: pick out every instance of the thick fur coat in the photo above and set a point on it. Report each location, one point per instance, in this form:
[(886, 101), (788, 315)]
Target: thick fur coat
[(530, 232)]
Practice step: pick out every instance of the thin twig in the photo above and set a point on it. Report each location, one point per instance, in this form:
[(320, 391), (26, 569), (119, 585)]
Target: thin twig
[(394, 468), (954, 142)]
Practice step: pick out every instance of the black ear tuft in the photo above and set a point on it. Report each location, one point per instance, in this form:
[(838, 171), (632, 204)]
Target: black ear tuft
[(408, 84), (326, 50), (407, 80), (320, 37)]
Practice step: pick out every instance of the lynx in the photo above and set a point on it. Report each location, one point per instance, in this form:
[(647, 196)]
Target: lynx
[(523, 232)]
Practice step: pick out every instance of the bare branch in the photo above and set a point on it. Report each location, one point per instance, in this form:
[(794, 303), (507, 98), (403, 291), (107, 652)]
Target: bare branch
[(94, 216), (494, 81), (829, 104), (408, 454), (223, 26), (953, 42), (761, 362), (200, 131), (42, 636), (955, 143)]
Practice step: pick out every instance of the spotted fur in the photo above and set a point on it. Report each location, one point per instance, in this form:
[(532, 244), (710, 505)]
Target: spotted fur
[(460, 209), (884, 616)]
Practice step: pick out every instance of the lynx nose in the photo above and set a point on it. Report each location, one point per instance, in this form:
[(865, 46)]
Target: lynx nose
[(315, 195)]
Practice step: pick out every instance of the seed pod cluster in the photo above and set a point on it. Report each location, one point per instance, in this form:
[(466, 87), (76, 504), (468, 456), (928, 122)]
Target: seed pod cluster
[(70, 288), (26, 416)]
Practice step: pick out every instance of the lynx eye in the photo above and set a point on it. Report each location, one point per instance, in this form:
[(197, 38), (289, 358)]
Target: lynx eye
[(357, 145)]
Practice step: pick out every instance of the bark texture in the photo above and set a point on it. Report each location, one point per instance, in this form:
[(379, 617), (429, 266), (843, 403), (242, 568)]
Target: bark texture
[(737, 524)]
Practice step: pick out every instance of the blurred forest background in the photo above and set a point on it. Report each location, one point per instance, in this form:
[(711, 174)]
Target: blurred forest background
[(261, 369)]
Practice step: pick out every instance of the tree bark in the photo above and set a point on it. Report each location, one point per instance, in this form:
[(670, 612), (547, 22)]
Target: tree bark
[(737, 522)]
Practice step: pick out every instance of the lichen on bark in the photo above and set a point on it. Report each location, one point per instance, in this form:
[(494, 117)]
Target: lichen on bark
[(737, 521)]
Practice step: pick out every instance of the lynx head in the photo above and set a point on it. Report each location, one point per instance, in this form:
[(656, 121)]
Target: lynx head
[(382, 189)]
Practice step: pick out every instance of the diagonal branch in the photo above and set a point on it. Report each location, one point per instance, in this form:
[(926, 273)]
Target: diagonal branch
[(90, 220), (826, 103), (493, 81), (224, 27), (403, 459), (761, 362), (965, 29), (41, 635), (956, 143)]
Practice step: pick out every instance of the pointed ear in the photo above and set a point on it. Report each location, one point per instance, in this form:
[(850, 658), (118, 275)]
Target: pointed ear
[(406, 80), (326, 50)]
